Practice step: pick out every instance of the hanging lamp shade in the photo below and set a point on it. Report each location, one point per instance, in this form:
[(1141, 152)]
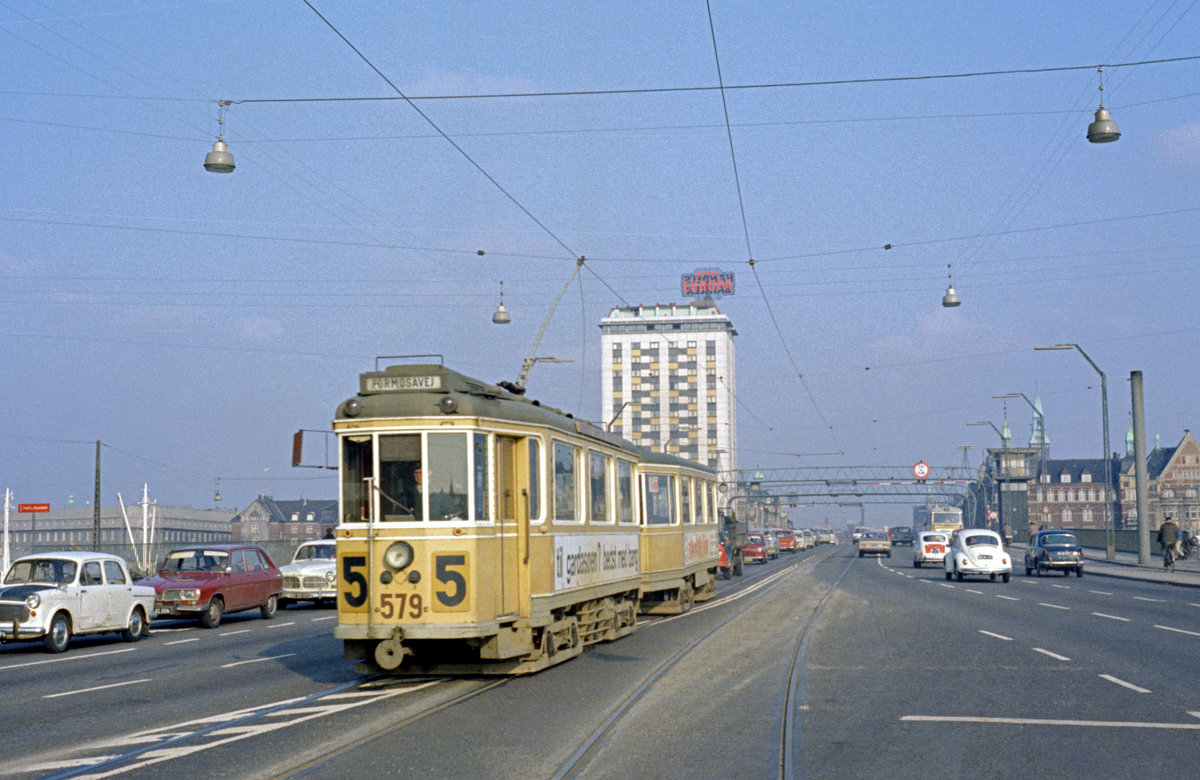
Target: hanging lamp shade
[(219, 160), (951, 299), (501, 316), (1103, 129)]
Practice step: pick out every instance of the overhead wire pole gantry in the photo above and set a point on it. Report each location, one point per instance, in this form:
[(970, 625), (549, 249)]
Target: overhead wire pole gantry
[(869, 484)]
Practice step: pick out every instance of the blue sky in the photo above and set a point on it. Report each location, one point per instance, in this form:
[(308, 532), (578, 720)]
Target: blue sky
[(192, 321)]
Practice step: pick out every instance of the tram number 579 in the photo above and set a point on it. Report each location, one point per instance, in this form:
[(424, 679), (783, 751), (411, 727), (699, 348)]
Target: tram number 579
[(449, 595)]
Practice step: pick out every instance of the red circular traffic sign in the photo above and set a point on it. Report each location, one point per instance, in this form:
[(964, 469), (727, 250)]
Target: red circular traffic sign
[(921, 469)]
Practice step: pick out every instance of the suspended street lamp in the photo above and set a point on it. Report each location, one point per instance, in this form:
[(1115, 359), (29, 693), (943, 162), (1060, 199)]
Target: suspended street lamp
[(1103, 130), (219, 160)]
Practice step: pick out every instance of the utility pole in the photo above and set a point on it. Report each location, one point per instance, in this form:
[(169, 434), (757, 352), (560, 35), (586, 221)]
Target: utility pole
[(96, 503)]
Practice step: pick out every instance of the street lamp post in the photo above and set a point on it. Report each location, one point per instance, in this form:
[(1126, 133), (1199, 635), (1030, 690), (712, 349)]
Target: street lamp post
[(1105, 462)]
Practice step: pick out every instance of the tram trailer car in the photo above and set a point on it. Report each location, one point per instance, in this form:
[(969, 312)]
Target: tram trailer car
[(483, 533)]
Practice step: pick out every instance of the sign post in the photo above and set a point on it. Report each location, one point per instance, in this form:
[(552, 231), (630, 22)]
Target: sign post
[(33, 509)]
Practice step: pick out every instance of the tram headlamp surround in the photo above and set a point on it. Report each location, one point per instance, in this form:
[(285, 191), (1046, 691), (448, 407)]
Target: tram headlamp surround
[(448, 404), (398, 555)]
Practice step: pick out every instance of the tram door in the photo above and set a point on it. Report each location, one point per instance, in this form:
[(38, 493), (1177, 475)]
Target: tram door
[(514, 518)]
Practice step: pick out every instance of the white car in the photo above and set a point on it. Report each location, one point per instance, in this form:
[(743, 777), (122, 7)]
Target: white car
[(858, 532), (974, 551), (930, 547), (54, 596), (312, 574)]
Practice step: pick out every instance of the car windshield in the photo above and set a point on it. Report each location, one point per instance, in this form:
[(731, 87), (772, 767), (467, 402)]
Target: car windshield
[(196, 560), (52, 571), (1059, 539), (934, 538), (755, 539), (310, 551), (976, 540)]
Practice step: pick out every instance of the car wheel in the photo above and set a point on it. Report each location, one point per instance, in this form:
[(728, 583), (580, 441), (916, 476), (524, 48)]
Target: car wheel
[(916, 564), (958, 575), (992, 576), (1078, 571), (136, 628), (59, 635), (889, 555), (268, 610), (1005, 576), (211, 617), (947, 575), (860, 553), (1028, 571), (1040, 570)]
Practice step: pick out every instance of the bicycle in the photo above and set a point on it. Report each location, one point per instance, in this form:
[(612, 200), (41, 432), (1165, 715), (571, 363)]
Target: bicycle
[(1168, 555)]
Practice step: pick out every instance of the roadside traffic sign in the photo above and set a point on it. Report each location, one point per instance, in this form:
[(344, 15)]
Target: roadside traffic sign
[(921, 469)]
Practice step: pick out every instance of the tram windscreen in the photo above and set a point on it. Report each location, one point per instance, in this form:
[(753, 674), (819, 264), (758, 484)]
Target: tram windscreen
[(400, 477), (357, 462), (658, 498)]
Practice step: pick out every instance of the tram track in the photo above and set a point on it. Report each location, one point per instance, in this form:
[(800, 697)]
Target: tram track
[(793, 688)]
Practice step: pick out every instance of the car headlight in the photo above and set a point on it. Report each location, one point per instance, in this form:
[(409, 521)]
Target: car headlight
[(398, 555), (189, 594), (33, 601), (330, 577)]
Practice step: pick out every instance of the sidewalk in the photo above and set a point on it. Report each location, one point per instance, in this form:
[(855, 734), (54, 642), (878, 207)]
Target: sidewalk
[(1126, 566)]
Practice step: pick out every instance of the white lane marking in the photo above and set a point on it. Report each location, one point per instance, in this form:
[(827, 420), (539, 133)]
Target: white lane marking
[(1052, 606), (331, 617), (1194, 714), (997, 636), (239, 631), (281, 625), (181, 641), (972, 590), (97, 688), (1061, 587), (1114, 724), (1194, 605), (1007, 598), (256, 660), (65, 658), (1027, 582), (1100, 592), (1143, 598), (1055, 656), (944, 585), (1124, 684), (1111, 617), (1179, 630)]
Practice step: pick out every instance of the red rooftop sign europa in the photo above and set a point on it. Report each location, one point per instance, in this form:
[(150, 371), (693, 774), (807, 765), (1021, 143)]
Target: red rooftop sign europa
[(707, 283), (33, 507)]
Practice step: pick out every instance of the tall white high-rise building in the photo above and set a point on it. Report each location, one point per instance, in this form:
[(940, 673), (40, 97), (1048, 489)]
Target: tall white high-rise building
[(669, 380)]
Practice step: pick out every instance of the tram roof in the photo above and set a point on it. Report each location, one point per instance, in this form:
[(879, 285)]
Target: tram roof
[(419, 389)]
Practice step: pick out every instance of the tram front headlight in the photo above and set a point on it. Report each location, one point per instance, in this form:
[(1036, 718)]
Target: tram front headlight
[(448, 404), (398, 555)]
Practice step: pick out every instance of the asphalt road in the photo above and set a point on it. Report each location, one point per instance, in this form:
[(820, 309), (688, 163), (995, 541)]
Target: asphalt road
[(819, 664)]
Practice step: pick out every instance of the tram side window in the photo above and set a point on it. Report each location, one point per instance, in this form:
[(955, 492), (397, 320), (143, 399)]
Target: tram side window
[(658, 498), (685, 484), (446, 476), (566, 507), (598, 487), (624, 492), (401, 478), (356, 467), (535, 480), (481, 475)]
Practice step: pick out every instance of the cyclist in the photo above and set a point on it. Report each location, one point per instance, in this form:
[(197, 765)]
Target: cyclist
[(1168, 538)]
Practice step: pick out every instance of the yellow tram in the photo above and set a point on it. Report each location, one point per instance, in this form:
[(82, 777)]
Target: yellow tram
[(481, 532)]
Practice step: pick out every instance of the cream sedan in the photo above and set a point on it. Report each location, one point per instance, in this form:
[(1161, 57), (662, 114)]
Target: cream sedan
[(973, 552)]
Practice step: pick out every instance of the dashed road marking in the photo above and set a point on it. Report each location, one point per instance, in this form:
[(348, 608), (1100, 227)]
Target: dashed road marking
[(1052, 606), (996, 636), (1055, 656), (1100, 592), (97, 688), (1143, 598), (1111, 617), (1179, 630), (1110, 724), (1007, 598), (1124, 684), (256, 660)]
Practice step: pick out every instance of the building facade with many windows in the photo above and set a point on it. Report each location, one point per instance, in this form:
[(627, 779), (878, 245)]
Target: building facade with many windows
[(669, 384)]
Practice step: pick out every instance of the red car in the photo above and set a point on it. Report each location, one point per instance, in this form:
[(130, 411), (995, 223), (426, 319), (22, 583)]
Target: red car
[(208, 580), (755, 549), (787, 540)]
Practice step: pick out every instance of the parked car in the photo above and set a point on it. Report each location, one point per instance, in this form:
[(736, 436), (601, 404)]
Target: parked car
[(206, 581), (54, 596), (874, 543), (755, 549), (787, 540), (312, 574), (1050, 550), (930, 547), (974, 551), (901, 535)]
